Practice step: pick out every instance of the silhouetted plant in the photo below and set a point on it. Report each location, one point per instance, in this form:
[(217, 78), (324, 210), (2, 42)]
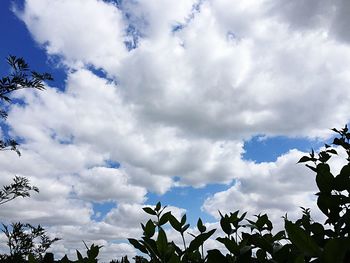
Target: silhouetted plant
[(301, 241), (19, 188), (20, 77), (24, 240), (123, 260), (159, 249), (91, 255)]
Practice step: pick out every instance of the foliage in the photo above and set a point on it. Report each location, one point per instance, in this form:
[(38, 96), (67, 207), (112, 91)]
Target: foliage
[(248, 240), (36, 255), (19, 188), (160, 249), (20, 77), (24, 240)]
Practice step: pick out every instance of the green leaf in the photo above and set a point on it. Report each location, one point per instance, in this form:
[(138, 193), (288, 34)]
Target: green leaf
[(324, 178), (175, 223), (332, 151), (31, 259), (324, 202), (185, 227), (199, 240), (245, 253), (137, 245), (151, 246), (260, 242), (215, 256), (304, 159), (174, 259), (65, 260), (158, 206), (280, 235), (261, 255), (317, 229), (200, 226), (149, 229), (149, 210), (162, 241), (299, 259), (226, 225), (183, 220), (335, 250), (230, 244), (262, 221), (79, 256), (342, 180), (164, 218), (93, 251), (301, 239), (281, 253)]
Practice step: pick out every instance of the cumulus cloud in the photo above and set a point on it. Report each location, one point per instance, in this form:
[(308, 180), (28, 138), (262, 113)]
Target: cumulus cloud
[(105, 184), (275, 188), (84, 32), (199, 79)]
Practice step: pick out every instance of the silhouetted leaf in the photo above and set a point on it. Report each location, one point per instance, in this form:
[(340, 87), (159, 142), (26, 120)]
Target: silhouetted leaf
[(199, 240), (158, 206), (149, 229), (324, 178), (215, 256), (335, 250), (149, 210), (162, 241), (230, 244), (226, 225), (164, 218), (183, 219), (303, 241), (200, 226), (137, 245), (175, 223), (79, 256), (304, 159)]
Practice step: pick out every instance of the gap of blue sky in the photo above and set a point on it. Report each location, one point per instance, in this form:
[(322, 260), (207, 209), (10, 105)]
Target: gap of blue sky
[(267, 149), (17, 41)]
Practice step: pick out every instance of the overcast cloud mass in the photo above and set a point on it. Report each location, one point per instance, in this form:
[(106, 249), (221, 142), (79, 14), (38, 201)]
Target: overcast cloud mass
[(171, 90)]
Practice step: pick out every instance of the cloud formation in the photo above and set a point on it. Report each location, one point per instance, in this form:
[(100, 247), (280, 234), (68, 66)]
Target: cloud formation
[(170, 91)]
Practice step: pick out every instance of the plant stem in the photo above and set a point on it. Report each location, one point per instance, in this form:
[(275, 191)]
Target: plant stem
[(183, 240)]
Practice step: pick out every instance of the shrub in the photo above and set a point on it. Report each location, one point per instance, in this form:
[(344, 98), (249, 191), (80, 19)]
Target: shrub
[(24, 240), (249, 240)]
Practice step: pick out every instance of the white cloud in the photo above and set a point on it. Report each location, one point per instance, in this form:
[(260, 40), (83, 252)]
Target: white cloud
[(237, 84), (104, 184), (82, 32), (154, 19), (275, 188), (178, 109)]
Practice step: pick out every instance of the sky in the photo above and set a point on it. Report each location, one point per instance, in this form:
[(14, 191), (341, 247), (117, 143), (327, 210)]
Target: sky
[(203, 105)]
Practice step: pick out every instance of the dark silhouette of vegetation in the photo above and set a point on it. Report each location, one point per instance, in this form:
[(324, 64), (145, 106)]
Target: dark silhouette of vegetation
[(20, 187), (25, 240), (20, 77), (247, 240)]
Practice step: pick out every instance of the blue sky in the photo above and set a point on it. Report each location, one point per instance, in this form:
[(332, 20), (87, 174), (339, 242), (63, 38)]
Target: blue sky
[(190, 117)]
